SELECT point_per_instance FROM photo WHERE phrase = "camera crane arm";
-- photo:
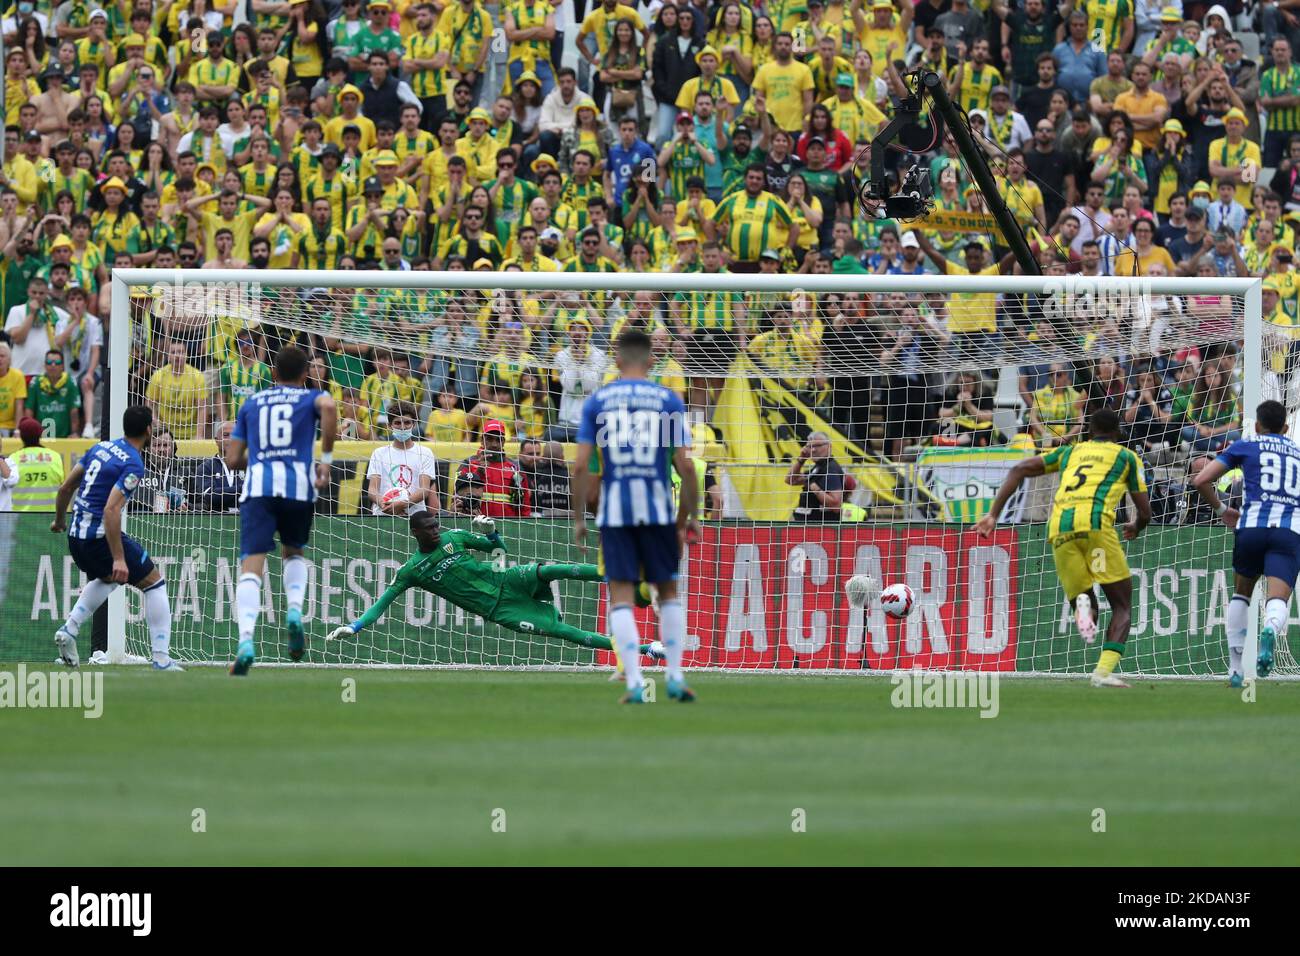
(915, 198)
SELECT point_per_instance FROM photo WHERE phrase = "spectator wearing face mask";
(401, 475)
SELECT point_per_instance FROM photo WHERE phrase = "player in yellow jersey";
(1095, 476)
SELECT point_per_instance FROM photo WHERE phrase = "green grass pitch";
(412, 772)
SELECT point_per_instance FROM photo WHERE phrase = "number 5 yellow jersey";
(1094, 477)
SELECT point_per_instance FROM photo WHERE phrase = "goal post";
(887, 390)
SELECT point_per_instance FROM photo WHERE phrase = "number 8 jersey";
(279, 427)
(1270, 469)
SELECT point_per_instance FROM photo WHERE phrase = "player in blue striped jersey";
(103, 481)
(641, 430)
(274, 436)
(1267, 529)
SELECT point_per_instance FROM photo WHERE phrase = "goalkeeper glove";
(341, 632)
(483, 525)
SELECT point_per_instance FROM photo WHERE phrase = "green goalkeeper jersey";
(451, 571)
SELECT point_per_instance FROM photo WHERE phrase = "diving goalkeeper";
(518, 598)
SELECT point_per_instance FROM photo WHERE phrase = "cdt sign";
(771, 597)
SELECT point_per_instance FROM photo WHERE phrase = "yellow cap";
(483, 264)
(707, 51)
(1173, 126)
(349, 90)
(543, 159)
(1271, 285)
(1234, 114)
(1201, 187)
(385, 157)
(134, 39)
(687, 235)
(587, 103)
(380, 4)
(1170, 15)
(528, 76)
(62, 242)
(113, 183)
(479, 113)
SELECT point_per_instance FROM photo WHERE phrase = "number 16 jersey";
(279, 428)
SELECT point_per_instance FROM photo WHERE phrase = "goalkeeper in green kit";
(518, 598)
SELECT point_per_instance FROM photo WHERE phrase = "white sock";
(1276, 612)
(622, 623)
(158, 613)
(1238, 615)
(672, 631)
(248, 601)
(295, 581)
(92, 596)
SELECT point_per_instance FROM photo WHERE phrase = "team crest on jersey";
(448, 548)
(130, 481)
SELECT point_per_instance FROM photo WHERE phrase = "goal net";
(841, 424)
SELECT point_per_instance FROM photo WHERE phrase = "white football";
(860, 589)
(395, 494)
(897, 600)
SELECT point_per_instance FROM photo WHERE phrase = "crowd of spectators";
(1129, 137)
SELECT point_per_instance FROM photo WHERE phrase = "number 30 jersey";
(635, 425)
(1270, 469)
(1094, 477)
(279, 427)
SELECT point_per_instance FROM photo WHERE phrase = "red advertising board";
(772, 596)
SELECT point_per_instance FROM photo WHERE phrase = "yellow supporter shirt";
(783, 87)
(13, 386)
(177, 398)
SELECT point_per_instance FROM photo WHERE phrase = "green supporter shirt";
(367, 42)
(14, 278)
(451, 572)
(239, 382)
(53, 407)
(734, 166)
(1275, 83)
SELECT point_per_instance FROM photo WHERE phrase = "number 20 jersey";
(1270, 469)
(279, 427)
(635, 425)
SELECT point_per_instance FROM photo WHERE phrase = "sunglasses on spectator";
(54, 361)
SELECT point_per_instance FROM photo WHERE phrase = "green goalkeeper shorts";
(525, 603)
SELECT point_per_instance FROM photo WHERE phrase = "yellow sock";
(618, 658)
(1107, 662)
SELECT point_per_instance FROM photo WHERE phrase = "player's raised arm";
(64, 498)
(1205, 485)
(1027, 468)
(329, 430)
(483, 535)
